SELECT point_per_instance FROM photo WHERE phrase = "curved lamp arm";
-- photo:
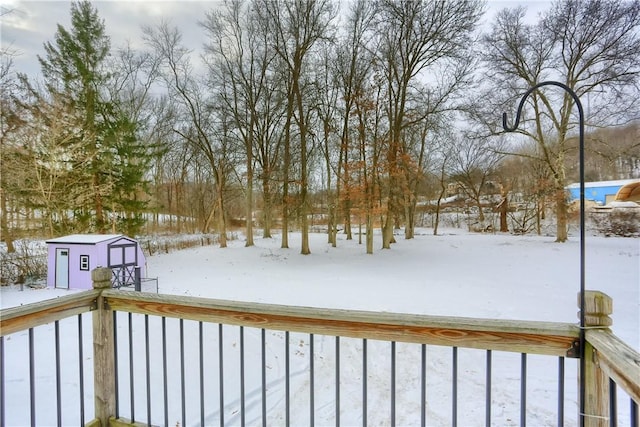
(582, 215)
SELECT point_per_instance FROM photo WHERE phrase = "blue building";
(601, 192)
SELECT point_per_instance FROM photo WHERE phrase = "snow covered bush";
(618, 220)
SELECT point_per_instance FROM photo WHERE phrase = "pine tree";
(76, 69)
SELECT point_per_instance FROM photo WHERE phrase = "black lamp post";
(582, 242)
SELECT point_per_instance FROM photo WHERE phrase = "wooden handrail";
(527, 337)
(617, 359)
(28, 316)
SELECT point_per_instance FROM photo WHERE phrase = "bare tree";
(353, 69)
(295, 27)
(203, 126)
(472, 166)
(239, 62)
(414, 37)
(590, 46)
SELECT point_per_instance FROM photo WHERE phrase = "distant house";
(71, 259)
(602, 192)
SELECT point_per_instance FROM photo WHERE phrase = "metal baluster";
(148, 368)
(560, 391)
(221, 372)
(523, 389)
(115, 362)
(32, 377)
(80, 371)
(131, 381)
(634, 421)
(242, 390)
(364, 382)
(2, 414)
(311, 380)
(201, 355)
(613, 403)
(287, 385)
(393, 383)
(164, 371)
(337, 381)
(454, 385)
(487, 411)
(263, 345)
(182, 376)
(423, 385)
(56, 325)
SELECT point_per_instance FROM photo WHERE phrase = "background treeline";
(296, 113)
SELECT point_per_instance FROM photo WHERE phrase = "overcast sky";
(32, 23)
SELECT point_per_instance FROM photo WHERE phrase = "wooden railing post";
(103, 350)
(598, 307)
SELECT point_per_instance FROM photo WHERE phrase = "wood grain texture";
(27, 316)
(619, 361)
(517, 336)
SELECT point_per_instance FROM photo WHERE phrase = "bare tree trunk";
(222, 223)
(4, 228)
(266, 207)
(561, 216)
(504, 209)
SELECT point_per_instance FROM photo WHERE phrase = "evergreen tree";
(112, 163)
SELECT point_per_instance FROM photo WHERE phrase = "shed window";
(84, 262)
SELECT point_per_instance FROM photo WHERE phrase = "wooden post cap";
(101, 278)
(597, 308)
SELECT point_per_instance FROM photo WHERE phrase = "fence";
(162, 360)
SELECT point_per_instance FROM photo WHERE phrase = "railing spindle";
(32, 378)
(182, 375)
(263, 348)
(613, 403)
(312, 409)
(487, 411)
(423, 385)
(221, 371)
(560, 391)
(287, 380)
(337, 381)
(633, 415)
(56, 326)
(201, 361)
(364, 382)
(242, 379)
(80, 370)
(164, 371)
(393, 383)
(116, 375)
(523, 389)
(148, 368)
(454, 386)
(131, 380)
(2, 377)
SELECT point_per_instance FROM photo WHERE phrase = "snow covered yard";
(454, 274)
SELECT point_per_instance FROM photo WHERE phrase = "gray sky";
(32, 23)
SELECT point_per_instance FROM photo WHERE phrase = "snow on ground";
(454, 274)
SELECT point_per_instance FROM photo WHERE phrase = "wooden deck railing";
(611, 364)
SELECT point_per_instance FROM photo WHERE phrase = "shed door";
(62, 268)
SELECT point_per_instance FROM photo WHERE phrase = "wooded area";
(308, 112)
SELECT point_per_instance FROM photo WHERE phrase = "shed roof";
(87, 239)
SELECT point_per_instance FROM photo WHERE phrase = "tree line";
(365, 107)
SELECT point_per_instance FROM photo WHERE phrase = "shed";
(71, 258)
